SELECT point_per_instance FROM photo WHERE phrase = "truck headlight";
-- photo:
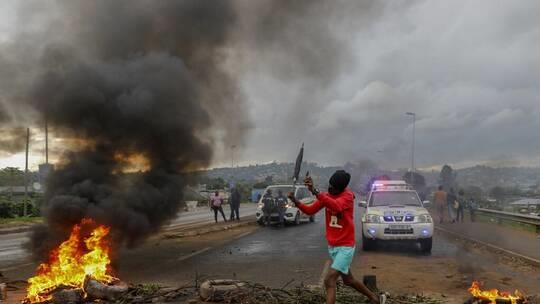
(261, 205)
(373, 218)
(425, 218)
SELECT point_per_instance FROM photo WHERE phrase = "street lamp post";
(413, 143)
(232, 155)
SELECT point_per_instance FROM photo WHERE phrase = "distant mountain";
(482, 176)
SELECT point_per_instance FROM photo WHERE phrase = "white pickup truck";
(394, 212)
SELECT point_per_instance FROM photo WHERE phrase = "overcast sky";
(349, 72)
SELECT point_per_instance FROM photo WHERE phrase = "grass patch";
(20, 221)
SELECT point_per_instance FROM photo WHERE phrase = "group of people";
(216, 205)
(273, 204)
(454, 204)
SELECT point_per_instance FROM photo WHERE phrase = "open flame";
(69, 264)
(493, 295)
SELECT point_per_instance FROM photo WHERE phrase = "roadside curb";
(507, 252)
(199, 230)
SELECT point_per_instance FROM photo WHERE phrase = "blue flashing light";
(425, 232)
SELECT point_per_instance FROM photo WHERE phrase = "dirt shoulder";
(447, 277)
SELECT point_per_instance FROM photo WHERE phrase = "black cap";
(340, 180)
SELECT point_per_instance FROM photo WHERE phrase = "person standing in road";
(472, 209)
(268, 205)
(439, 202)
(235, 204)
(281, 203)
(216, 204)
(461, 206)
(338, 203)
(450, 202)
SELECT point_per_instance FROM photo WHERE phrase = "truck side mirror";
(362, 204)
(426, 204)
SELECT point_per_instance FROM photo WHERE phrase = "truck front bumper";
(413, 231)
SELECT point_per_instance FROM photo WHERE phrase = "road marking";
(506, 251)
(324, 273)
(185, 257)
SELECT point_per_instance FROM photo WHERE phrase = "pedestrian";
(460, 206)
(235, 204)
(450, 202)
(268, 206)
(216, 204)
(439, 202)
(281, 204)
(472, 209)
(338, 203)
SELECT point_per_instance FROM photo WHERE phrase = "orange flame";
(71, 262)
(494, 294)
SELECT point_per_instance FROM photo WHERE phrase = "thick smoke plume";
(146, 85)
(137, 84)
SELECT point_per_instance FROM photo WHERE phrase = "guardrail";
(501, 216)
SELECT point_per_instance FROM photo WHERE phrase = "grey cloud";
(468, 69)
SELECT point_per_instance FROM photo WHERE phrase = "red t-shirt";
(339, 216)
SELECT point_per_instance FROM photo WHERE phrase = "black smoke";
(156, 81)
(125, 80)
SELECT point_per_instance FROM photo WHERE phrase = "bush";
(10, 208)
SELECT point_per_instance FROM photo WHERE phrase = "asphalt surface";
(521, 242)
(12, 245)
(269, 255)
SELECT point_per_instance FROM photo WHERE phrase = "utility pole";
(25, 210)
(413, 143)
(46, 142)
(232, 155)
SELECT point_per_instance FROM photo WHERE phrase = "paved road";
(270, 255)
(521, 242)
(12, 251)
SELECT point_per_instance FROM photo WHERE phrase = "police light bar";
(390, 185)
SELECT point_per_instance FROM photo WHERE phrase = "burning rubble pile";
(494, 296)
(79, 269)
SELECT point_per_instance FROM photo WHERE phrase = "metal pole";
(232, 156)
(46, 142)
(413, 147)
(413, 143)
(25, 209)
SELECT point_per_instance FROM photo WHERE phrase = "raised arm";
(307, 209)
(310, 209)
(336, 205)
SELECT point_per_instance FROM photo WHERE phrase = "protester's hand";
(308, 181)
(290, 195)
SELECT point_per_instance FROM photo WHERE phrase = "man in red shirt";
(339, 208)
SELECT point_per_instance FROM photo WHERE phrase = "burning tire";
(426, 245)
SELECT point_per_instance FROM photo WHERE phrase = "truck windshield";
(394, 198)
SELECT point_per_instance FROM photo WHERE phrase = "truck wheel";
(426, 244)
(312, 219)
(260, 222)
(297, 219)
(368, 244)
